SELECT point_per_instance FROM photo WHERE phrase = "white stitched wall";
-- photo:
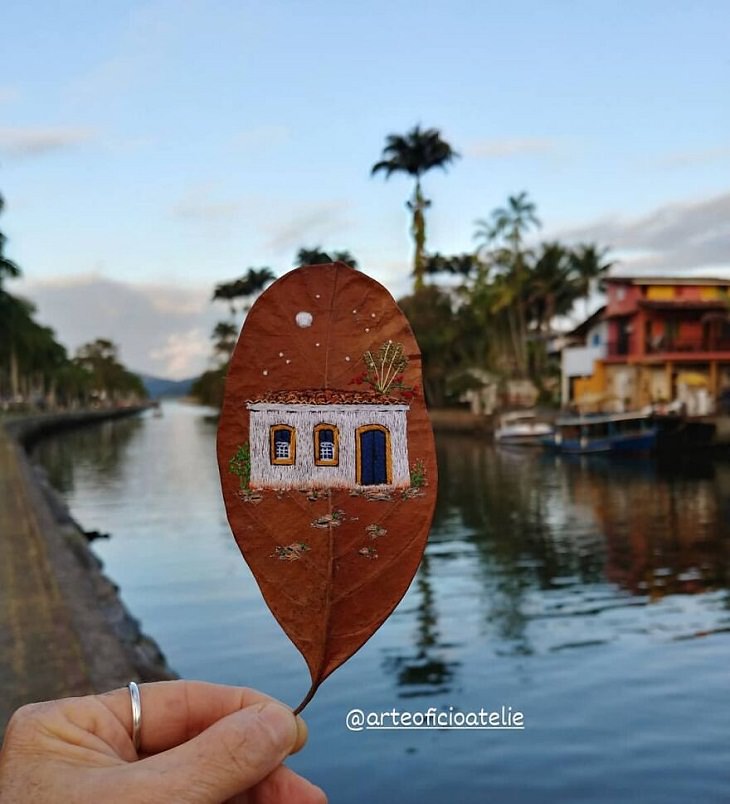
(304, 473)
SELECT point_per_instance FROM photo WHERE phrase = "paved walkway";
(54, 641)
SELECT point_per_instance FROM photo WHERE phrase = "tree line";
(37, 371)
(491, 309)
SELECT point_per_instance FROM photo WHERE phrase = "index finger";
(174, 712)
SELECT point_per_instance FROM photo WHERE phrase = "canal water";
(589, 595)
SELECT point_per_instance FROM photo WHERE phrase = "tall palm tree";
(224, 339)
(246, 287)
(551, 287)
(504, 234)
(462, 265)
(16, 332)
(589, 266)
(8, 269)
(509, 223)
(415, 154)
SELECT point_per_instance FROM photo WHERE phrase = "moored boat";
(521, 429)
(613, 432)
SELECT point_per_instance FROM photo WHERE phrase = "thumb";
(229, 757)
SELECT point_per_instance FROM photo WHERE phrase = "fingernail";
(302, 735)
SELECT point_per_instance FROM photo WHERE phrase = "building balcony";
(679, 349)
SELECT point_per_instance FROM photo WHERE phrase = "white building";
(328, 439)
(591, 338)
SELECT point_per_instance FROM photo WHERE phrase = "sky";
(149, 150)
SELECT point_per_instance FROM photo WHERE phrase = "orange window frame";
(334, 461)
(273, 430)
(388, 453)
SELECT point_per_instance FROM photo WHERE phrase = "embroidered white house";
(327, 439)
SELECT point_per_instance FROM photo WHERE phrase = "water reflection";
(529, 553)
(553, 553)
(426, 670)
(101, 448)
(663, 524)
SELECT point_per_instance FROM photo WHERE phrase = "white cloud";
(499, 148)
(679, 236)
(22, 141)
(182, 353)
(161, 329)
(681, 159)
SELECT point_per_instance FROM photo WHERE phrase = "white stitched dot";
(264, 372)
(288, 361)
(347, 358)
(367, 329)
(281, 354)
(372, 315)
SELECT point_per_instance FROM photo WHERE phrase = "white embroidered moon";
(303, 319)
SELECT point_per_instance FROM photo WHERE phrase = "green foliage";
(418, 475)
(35, 369)
(439, 330)
(315, 256)
(240, 465)
(8, 269)
(245, 287)
(209, 387)
(496, 309)
(109, 379)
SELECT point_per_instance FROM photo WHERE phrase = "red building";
(667, 339)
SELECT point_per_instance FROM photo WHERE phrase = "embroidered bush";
(240, 465)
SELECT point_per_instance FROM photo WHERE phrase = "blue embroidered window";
(326, 445)
(283, 444)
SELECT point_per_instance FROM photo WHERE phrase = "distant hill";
(157, 386)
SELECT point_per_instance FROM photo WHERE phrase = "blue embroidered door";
(373, 458)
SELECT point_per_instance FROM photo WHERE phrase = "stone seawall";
(63, 628)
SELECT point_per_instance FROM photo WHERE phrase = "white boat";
(521, 428)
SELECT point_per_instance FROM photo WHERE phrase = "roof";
(668, 280)
(582, 329)
(328, 396)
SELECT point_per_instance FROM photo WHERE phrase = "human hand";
(199, 742)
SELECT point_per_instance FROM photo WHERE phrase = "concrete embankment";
(63, 628)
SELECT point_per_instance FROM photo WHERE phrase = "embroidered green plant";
(418, 475)
(384, 371)
(240, 464)
(385, 368)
